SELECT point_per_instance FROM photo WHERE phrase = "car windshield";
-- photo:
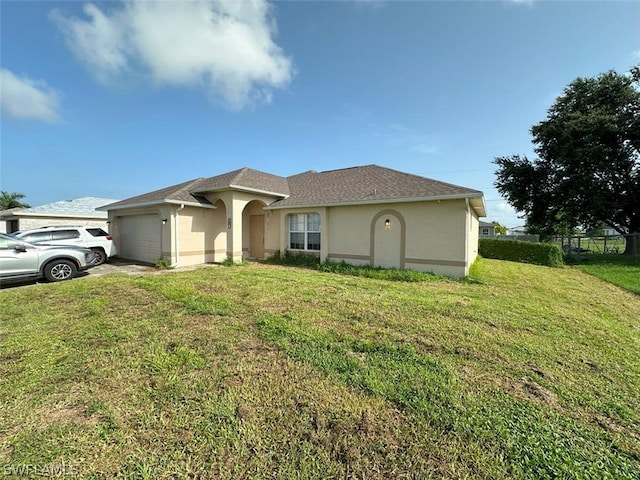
(7, 242)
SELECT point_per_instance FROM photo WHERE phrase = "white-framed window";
(485, 231)
(304, 231)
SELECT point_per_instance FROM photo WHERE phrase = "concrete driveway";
(117, 265)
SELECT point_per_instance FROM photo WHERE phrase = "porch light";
(387, 224)
(164, 221)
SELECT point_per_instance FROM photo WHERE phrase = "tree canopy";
(588, 168)
(11, 200)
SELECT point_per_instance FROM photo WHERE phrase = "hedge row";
(523, 252)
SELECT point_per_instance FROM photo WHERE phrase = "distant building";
(78, 212)
(486, 229)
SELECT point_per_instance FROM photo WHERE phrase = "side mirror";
(20, 248)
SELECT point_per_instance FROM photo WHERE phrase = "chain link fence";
(578, 246)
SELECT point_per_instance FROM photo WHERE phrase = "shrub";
(308, 260)
(228, 262)
(523, 252)
(294, 259)
(163, 263)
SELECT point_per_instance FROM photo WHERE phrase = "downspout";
(467, 233)
(177, 234)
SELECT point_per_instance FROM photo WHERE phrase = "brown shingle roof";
(369, 183)
(366, 184)
(175, 193)
(245, 178)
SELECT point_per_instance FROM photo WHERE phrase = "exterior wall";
(196, 236)
(272, 223)
(433, 236)
(219, 225)
(474, 240)
(29, 222)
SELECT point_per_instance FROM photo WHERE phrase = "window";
(304, 231)
(64, 234)
(9, 244)
(485, 231)
(37, 237)
(97, 232)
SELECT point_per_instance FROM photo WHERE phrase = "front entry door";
(256, 248)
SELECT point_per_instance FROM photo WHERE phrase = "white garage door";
(140, 238)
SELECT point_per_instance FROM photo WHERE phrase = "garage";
(140, 238)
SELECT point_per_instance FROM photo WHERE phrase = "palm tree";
(11, 200)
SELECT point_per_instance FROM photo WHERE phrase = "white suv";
(94, 238)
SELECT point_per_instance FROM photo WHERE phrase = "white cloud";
(25, 99)
(225, 47)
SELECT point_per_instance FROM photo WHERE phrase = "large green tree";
(588, 168)
(11, 200)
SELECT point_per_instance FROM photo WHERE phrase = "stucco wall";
(27, 223)
(196, 236)
(425, 236)
(273, 219)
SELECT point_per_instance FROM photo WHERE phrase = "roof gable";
(245, 179)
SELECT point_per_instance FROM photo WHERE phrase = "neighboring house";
(486, 229)
(521, 230)
(366, 215)
(78, 212)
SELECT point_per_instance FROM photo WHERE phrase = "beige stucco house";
(366, 215)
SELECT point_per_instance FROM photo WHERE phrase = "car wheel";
(59, 270)
(101, 257)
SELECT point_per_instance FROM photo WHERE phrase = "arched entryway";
(253, 224)
(388, 238)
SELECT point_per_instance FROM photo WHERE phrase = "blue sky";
(112, 99)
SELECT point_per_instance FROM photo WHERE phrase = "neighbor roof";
(80, 207)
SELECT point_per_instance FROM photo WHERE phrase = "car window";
(37, 237)
(64, 234)
(97, 232)
(9, 243)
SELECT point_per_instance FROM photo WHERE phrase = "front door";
(256, 248)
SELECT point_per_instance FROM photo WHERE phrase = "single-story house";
(487, 229)
(367, 215)
(78, 212)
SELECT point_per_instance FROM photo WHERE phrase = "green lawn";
(621, 270)
(275, 372)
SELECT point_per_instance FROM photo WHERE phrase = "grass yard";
(274, 372)
(621, 270)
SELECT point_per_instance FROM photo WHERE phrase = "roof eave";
(435, 198)
(242, 189)
(150, 203)
(479, 205)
